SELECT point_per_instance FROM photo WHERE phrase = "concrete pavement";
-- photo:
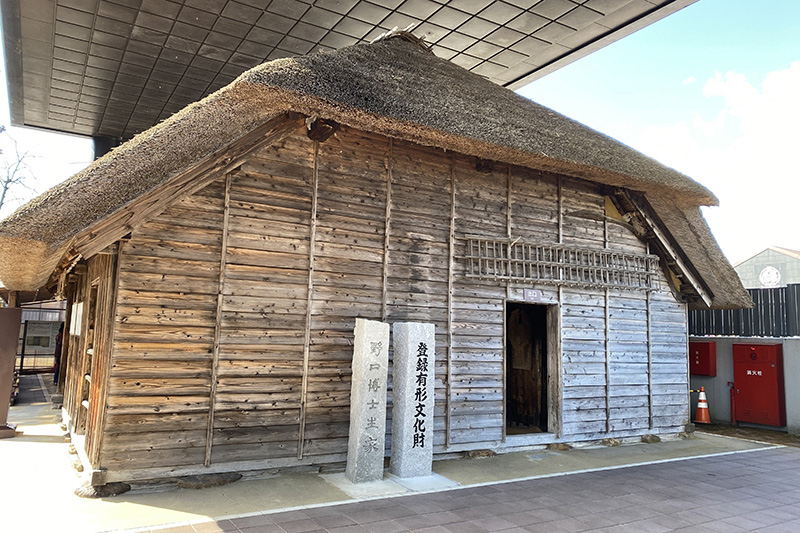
(733, 484)
(758, 491)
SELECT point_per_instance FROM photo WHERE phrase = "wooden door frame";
(554, 381)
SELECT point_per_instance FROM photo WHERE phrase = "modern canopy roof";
(114, 68)
(393, 87)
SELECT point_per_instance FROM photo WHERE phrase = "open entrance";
(526, 372)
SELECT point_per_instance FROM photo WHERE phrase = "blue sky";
(712, 91)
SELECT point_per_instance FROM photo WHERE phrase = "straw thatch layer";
(392, 87)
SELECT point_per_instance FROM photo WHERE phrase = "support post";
(24, 342)
(10, 318)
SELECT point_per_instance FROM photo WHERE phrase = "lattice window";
(557, 264)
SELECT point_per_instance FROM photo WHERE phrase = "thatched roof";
(393, 87)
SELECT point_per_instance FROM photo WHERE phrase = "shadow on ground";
(751, 433)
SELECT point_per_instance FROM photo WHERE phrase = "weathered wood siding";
(477, 377)
(264, 306)
(160, 379)
(91, 298)
(237, 305)
(77, 290)
(101, 279)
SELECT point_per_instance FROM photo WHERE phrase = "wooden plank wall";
(477, 397)
(347, 281)
(264, 306)
(160, 378)
(77, 290)
(417, 282)
(102, 274)
(623, 353)
(306, 237)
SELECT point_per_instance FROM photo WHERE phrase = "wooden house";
(214, 267)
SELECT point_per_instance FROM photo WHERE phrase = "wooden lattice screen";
(556, 264)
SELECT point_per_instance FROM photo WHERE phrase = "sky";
(712, 91)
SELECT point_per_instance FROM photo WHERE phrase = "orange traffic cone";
(701, 417)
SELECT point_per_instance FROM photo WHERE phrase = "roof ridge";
(405, 35)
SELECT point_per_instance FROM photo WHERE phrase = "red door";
(758, 377)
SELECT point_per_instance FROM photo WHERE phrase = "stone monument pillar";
(412, 399)
(368, 402)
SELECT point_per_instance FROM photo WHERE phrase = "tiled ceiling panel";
(116, 67)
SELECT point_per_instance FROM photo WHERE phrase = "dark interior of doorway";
(526, 372)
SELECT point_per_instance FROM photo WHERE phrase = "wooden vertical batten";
(387, 227)
(560, 201)
(649, 362)
(226, 208)
(607, 353)
(312, 233)
(69, 296)
(451, 245)
(505, 310)
(607, 325)
(106, 311)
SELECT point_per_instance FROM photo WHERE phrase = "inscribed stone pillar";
(368, 402)
(412, 399)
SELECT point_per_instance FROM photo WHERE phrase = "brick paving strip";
(751, 491)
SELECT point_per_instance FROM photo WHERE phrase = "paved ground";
(734, 485)
(35, 388)
(757, 491)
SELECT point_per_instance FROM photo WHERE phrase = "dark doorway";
(526, 371)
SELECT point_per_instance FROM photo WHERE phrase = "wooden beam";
(504, 388)
(560, 212)
(508, 202)
(321, 129)
(607, 360)
(223, 257)
(312, 235)
(112, 287)
(505, 304)
(116, 225)
(664, 242)
(103, 350)
(607, 333)
(69, 295)
(450, 267)
(695, 282)
(556, 396)
(649, 358)
(387, 228)
(688, 365)
(84, 355)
